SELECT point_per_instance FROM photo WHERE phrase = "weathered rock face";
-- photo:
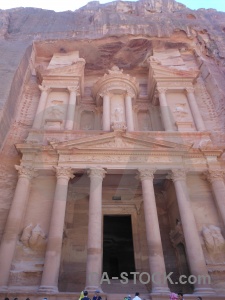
(122, 86)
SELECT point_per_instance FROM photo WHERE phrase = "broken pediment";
(163, 73)
(122, 141)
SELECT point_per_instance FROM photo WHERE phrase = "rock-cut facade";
(112, 132)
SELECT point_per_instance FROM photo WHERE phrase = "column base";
(4, 288)
(160, 296)
(160, 290)
(205, 291)
(92, 289)
(48, 289)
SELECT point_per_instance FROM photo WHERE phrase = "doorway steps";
(116, 288)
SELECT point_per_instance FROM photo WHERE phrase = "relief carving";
(177, 235)
(180, 111)
(214, 244)
(33, 237)
(55, 113)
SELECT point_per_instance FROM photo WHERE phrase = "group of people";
(84, 295)
(180, 296)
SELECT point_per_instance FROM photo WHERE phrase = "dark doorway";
(118, 250)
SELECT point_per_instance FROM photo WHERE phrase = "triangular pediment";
(115, 141)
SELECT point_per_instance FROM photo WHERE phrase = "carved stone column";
(71, 107)
(193, 245)
(13, 224)
(45, 90)
(106, 116)
(165, 110)
(94, 246)
(215, 177)
(49, 282)
(195, 110)
(155, 250)
(129, 112)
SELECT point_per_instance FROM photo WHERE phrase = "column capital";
(129, 94)
(26, 171)
(105, 93)
(214, 175)
(178, 174)
(73, 89)
(64, 172)
(97, 172)
(44, 88)
(190, 89)
(144, 174)
(162, 90)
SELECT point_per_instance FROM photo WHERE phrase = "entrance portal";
(118, 250)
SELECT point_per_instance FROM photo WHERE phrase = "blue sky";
(75, 4)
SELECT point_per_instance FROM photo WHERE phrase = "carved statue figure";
(33, 237)
(26, 235)
(37, 237)
(208, 238)
(118, 114)
(55, 113)
(214, 243)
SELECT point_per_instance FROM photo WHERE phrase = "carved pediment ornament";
(123, 140)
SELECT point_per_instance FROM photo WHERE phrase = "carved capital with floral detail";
(64, 172)
(105, 93)
(44, 88)
(190, 89)
(26, 172)
(214, 175)
(129, 94)
(178, 174)
(73, 89)
(162, 90)
(96, 172)
(144, 174)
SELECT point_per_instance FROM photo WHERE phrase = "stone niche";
(55, 112)
(87, 120)
(144, 122)
(180, 111)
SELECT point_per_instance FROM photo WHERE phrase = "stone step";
(130, 288)
(121, 296)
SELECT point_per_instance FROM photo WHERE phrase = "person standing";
(137, 294)
(85, 296)
(97, 295)
(180, 296)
